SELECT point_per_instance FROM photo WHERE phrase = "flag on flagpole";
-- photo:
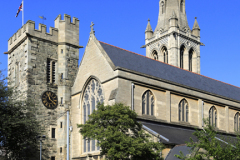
(19, 9)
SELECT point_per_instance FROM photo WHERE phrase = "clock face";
(49, 100)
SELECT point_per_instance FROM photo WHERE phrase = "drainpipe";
(202, 114)
(132, 96)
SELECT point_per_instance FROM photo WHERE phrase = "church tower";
(173, 41)
(43, 66)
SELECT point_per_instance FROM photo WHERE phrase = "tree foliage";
(119, 134)
(212, 145)
(18, 124)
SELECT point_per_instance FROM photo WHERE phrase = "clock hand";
(51, 100)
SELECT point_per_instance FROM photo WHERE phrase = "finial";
(92, 30)
(195, 17)
(148, 20)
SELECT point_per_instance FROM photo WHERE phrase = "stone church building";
(165, 87)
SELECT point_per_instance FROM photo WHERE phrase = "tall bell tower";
(173, 41)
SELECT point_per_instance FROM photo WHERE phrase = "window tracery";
(148, 101)
(155, 55)
(93, 95)
(165, 54)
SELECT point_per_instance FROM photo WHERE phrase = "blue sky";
(122, 23)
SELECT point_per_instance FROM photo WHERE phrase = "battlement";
(65, 19)
(61, 26)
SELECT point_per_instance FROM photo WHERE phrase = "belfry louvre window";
(190, 59)
(51, 71)
(237, 122)
(183, 111)
(165, 54)
(155, 55)
(93, 95)
(181, 56)
(148, 101)
(213, 116)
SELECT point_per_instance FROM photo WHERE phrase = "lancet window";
(190, 60)
(162, 7)
(165, 54)
(93, 95)
(183, 111)
(181, 5)
(237, 122)
(155, 55)
(148, 102)
(182, 49)
(213, 116)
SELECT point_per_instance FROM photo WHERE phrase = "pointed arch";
(213, 116)
(165, 54)
(148, 103)
(237, 122)
(92, 95)
(190, 59)
(182, 50)
(183, 109)
(155, 54)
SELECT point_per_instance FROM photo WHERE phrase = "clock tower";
(43, 67)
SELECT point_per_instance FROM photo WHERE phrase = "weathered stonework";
(28, 52)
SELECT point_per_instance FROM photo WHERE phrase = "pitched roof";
(138, 63)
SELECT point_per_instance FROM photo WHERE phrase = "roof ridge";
(169, 64)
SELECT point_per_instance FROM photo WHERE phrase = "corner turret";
(196, 29)
(148, 31)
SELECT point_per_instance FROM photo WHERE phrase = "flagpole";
(22, 12)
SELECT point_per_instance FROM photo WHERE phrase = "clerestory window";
(148, 101)
(93, 95)
(51, 71)
(213, 116)
(183, 111)
(237, 122)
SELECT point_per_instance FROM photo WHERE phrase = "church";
(165, 87)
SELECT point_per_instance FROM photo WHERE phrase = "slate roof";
(138, 63)
(175, 135)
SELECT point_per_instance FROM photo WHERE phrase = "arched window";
(190, 60)
(162, 7)
(165, 54)
(148, 103)
(155, 55)
(183, 111)
(213, 116)
(93, 95)
(237, 122)
(181, 5)
(182, 49)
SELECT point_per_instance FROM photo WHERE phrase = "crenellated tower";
(173, 41)
(38, 62)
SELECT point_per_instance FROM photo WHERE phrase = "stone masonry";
(28, 52)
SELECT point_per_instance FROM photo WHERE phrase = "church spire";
(166, 8)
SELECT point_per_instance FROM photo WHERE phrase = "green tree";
(119, 134)
(18, 124)
(212, 145)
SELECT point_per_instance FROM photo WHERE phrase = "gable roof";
(138, 63)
